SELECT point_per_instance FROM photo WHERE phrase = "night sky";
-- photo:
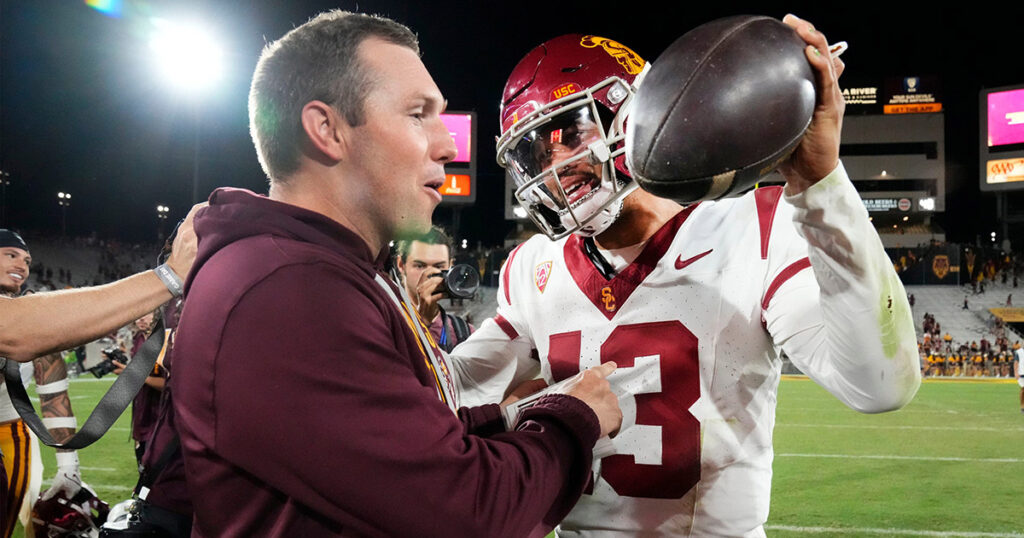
(82, 111)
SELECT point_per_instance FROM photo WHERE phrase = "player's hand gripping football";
(593, 388)
(818, 153)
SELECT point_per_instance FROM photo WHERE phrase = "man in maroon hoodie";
(309, 399)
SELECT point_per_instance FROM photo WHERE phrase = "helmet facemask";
(562, 158)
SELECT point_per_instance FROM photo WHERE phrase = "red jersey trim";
(506, 327)
(505, 268)
(767, 201)
(782, 277)
(608, 295)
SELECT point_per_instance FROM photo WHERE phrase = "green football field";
(950, 464)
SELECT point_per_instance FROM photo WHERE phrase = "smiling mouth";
(16, 276)
(581, 187)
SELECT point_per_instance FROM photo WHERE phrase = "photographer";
(421, 262)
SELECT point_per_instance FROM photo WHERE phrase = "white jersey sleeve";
(847, 323)
(498, 355)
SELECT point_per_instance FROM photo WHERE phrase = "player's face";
(400, 150)
(423, 258)
(14, 264)
(555, 150)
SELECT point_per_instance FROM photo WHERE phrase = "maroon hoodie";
(306, 406)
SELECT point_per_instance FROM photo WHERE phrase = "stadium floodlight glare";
(187, 54)
(64, 201)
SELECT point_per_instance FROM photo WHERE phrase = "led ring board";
(460, 174)
(1002, 138)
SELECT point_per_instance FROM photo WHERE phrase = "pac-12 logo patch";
(541, 275)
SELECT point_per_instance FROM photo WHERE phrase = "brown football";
(721, 108)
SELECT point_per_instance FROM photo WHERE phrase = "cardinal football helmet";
(563, 116)
(76, 517)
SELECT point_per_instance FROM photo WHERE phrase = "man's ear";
(323, 127)
(400, 264)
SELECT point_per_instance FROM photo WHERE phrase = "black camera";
(107, 365)
(460, 282)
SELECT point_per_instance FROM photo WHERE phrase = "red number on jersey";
(676, 349)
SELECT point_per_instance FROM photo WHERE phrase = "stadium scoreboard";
(1001, 148)
(460, 174)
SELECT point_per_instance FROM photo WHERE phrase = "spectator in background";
(1018, 372)
(420, 262)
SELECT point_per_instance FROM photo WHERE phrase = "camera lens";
(461, 281)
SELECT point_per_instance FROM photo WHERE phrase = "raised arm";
(43, 323)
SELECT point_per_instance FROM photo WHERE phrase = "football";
(721, 108)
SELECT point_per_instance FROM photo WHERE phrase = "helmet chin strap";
(601, 221)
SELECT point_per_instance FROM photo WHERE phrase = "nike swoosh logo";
(681, 263)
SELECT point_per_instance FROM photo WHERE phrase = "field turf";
(950, 464)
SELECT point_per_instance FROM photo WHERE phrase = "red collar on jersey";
(609, 295)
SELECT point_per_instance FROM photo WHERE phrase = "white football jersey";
(696, 324)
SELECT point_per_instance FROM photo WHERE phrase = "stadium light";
(187, 54)
(191, 61)
(64, 201)
(161, 217)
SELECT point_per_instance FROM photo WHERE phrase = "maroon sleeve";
(316, 396)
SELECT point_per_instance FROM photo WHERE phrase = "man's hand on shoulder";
(183, 250)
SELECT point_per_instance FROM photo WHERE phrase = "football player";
(695, 304)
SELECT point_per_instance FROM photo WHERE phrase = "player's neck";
(642, 215)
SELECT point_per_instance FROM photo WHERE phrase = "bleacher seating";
(946, 304)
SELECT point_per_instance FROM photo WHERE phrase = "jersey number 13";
(676, 350)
